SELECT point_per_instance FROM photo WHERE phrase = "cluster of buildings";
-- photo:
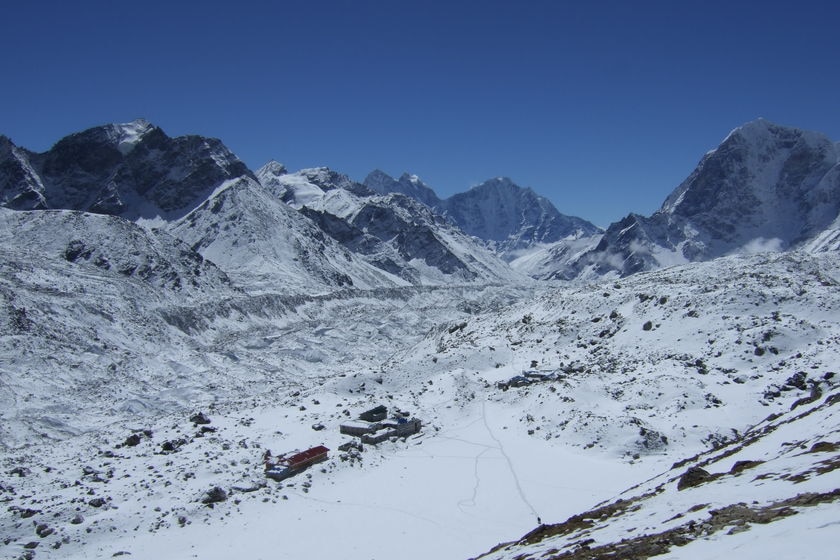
(527, 378)
(374, 426)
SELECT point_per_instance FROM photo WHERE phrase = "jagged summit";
(123, 136)
(273, 167)
(392, 231)
(129, 134)
(328, 179)
(513, 217)
(765, 187)
(133, 170)
(408, 184)
(498, 211)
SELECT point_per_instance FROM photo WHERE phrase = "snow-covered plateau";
(702, 365)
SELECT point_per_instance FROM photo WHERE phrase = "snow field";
(488, 462)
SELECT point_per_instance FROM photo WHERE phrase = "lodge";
(283, 466)
(374, 426)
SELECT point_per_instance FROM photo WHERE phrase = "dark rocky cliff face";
(20, 187)
(765, 187)
(133, 170)
(392, 229)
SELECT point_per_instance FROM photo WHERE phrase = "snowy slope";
(771, 493)
(553, 261)
(825, 241)
(82, 326)
(635, 376)
(264, 245)
(393, 232)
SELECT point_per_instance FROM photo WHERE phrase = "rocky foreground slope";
(771, 492)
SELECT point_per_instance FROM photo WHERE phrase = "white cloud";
(761, 245)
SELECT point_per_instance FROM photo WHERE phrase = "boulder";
(693, 477)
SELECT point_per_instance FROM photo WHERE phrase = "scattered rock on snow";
(824, 446)
(741, 466)
(651, 440)
(199, 418)
(214, 495)
(43, 530)
(132, 441)
(693, 477)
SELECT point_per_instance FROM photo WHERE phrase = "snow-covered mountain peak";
(327, 179)
(379, 181)
(128, 135)
(498, 183)
(756, 165)
(408, 184)
(272, 168)
(765, 187)
(762, 136)
(120, 136)
(507, 217)
(272, 176)
(753, 128)
(512, 217)
(133, 170)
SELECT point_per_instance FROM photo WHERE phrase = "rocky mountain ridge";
(195, 189)
(132, 170)
(507, 217)
(393, 232)
(766, 187)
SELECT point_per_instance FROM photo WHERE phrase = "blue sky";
(602, 106)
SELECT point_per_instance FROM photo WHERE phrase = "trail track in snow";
(512, 469)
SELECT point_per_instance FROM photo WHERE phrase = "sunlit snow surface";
(694, 354)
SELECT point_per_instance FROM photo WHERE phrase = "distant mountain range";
(766, 187)
(508, 217)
